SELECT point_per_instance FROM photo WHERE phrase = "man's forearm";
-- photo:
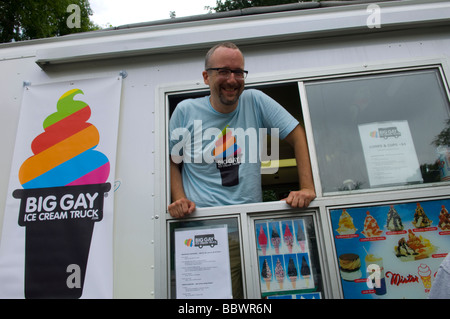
(304, 166)
(176, 183)
(297, 139)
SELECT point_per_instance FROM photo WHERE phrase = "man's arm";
(181, 206)
(306, 194)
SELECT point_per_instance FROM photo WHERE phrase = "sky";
(120, 12)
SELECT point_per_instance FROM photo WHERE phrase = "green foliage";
(34, 19)
(228, 5)
(443, 138)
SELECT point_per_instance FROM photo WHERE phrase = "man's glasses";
(226, 73)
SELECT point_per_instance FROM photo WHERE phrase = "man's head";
(225, 86)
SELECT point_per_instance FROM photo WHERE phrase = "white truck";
(334, 65)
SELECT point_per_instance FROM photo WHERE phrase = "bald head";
(228, 45)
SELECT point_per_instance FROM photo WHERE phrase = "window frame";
(248, 212)
(440, 67)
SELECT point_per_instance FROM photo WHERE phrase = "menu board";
(391, 251)
(284, 259)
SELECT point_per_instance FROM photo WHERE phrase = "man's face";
(225, 92)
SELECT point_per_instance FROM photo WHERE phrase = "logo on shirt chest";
(224, 147)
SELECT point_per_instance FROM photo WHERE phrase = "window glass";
(380, 130)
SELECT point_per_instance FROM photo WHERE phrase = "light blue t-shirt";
(210, 177)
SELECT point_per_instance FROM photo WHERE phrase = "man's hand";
(301, 198)
(181, 207)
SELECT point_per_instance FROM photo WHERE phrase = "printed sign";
(59, 206)
(202, 263)
(389, 153)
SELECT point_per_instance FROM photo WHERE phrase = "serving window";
(189, 264)
(380, 130)
(276, 183)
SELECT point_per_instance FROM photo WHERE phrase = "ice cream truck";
(85, 162)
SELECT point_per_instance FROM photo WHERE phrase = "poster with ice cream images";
(391, 251)
(283, 257)
(58, 223)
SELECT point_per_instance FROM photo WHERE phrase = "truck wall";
(140, 174)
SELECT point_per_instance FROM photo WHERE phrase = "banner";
(57, 234)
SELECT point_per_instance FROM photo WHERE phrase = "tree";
(229, 5)
(443, 138)
(34, 19)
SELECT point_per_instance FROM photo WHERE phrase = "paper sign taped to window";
(389, 153)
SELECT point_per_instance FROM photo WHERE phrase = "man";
(235, 179)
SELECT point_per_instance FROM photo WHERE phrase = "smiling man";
(234, 177)
(220, 63)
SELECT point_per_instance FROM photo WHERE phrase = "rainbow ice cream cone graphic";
(425, 274)
(227, 155)
(62, 197)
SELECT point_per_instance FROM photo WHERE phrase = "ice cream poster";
(283, 256)
(57, 228)
(391, 251)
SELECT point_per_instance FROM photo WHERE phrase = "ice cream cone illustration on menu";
(425, 274)
(227, 155)
(305, 271)
(275, 239)
(292, 272)
(288, 238)
(262, 240)
(279, 273)
(266, 274)
(62, 197)
(301, 238)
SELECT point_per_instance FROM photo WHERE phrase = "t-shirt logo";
(227, 155)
